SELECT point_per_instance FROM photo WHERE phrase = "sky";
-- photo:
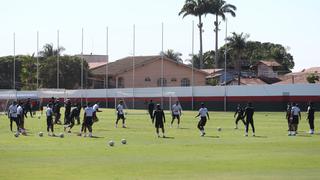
(293, 23)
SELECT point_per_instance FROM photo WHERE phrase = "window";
(120, 82)
(185, 82)
(162, 81)
(147, 79)
(173, 79)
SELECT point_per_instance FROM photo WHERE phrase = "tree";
(6, 72)
(49, 51)
(176, 56)
(70, 72)
(219, 8)
(312, 78)
(195, 8)
(237, 42)
(28, 72)
(208, 60)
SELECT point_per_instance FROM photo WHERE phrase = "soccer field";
(225, 154)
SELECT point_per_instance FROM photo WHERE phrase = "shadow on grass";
(260, 136)
(183, 128)
(211, 136)
(168, 137)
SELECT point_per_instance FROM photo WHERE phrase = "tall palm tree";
(176, 56)
(219, 8)
(195, 8)
(238, 42)
(49, 51)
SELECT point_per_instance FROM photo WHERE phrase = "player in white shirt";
(176, 113)
(96, 109)
(20, 118)
(49, 114)
(203, 113)
(12, 114)
(120, 115)
(88, 119)
(296, 115)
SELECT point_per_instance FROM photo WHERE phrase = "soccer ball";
(40, 134)
(61, 135)
(39, 117)
(111, 143)
(16, 134)
(219, 128)
(123, 141)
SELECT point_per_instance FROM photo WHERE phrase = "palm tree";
(219, 8)
(237, 42)
(48, 51)
(195, 8)
(176, 56)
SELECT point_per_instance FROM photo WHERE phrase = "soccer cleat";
(253, 134)
(124, 126)
(164, 136)
(116, 126)
(246, 134)
(90, 134)
(69, 131)
(85, 135)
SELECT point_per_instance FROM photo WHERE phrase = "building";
(267, 68)
(94, 60)
(147, 72)
(299, 77)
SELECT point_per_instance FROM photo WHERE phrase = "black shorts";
(88, 121)
(49, 121)
(158, 124)
(120, 116)
(295, 120)
(175, 116)
(203, 121)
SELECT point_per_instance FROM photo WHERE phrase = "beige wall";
(153, 70)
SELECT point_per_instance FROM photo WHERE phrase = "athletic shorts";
(158, 124)
(88, 121)
(120, 116)
(295, 120)
(175, 116)
(203, 121)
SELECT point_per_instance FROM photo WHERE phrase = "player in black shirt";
(151, 108)
(289, 117)
(75, 113)
(248, 114)
(310, 117)
(67, 112)
(160, 120)
(56, 111)
(239, 113)
(27, 108)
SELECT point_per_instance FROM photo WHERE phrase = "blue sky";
(292, 23)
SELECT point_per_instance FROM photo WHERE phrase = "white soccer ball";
(16, 134)
(40, 134)
(111, 143)
(219, 129)
(123, 141)
(61, 135)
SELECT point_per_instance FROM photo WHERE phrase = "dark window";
(162, 82)
(185, 82)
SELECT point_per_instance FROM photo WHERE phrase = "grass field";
(183, 155)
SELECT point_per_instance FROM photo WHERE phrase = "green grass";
(185, 155)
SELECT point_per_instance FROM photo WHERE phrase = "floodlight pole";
(107, 59)
(192, 100)
(133, 63)
(81, 66)
(225, 69)
(14, 60)
(58, 55)
(162, 76)
(37, 59)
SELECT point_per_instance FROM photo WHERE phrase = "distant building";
(147, 73)
(94, 60)
(299, 77)
(267, 68)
